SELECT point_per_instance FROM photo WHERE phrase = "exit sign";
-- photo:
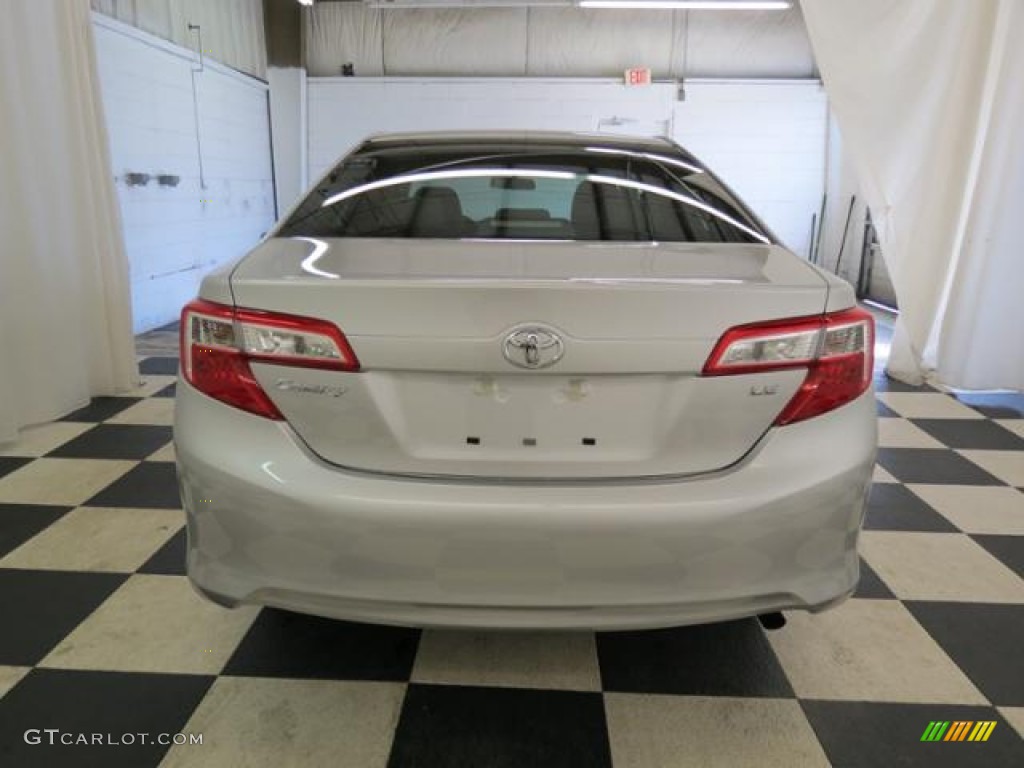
(638, 76)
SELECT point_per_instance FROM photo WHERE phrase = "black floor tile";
(984, 640)
(884, 411)
(102, 408)
(38, 608)
(995, 405)
(933, 465)
(858, 734)
(871, 585)
(123, 705)
(152, 484)
(10, 463)
(1007, 549)
(893, 507)
(980, 434)
(115, 441)
(728, 659)
(169, 391)
(285, 644)
(20, 522)
(169, 560)
(444, 726)
(159, 366)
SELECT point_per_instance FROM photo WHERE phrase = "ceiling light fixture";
(695, 5)
(689, 5)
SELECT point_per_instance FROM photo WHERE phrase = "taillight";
(218, 342)
(837, 350)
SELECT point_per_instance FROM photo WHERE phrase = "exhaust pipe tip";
(772, 621)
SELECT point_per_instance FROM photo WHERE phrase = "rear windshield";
(578, 194)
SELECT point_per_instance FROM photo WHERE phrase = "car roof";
(525, 138)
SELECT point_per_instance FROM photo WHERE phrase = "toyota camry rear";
(524, 380)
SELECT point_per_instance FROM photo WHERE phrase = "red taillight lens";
(836, 349)
(218, 341)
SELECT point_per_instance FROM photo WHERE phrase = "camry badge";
(287, 385)
(533, 346)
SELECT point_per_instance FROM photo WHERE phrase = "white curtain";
(929, 97)
(65, 318)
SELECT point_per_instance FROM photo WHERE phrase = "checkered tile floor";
(101, 633)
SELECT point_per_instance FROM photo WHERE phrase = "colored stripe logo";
(958, 730)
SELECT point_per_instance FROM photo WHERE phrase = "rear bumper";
(269, 523)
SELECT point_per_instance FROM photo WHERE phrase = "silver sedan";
(524, 380)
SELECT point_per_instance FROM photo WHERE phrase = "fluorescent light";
(690, 5)
(430, 4)
(305, 2)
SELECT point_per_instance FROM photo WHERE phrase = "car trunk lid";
(443, 391)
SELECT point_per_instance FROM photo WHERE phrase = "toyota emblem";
(533, 347)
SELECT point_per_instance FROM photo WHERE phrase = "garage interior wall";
(190, 151)
(231, 30)
(767, 140)
(345, 110)
(65, 325)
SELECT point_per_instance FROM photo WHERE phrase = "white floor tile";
(154, 624)
(1014, 425)
(518, 659)
(868, 650)
(155, 410)
(939, 566)
(164, 454)
(256, 722)
(1008, 466)
(41, 439)
(98, 539)
(683, 731)
(1015, 717)
(927, 405)
(976, 508)
(900, 433)
(10, 676)
(66, 482)
(881, 475)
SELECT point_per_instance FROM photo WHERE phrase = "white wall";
(345, 110)
(767, 140)
(175, 234)
(288, 131)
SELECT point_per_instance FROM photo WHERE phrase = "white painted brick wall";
(343, 111)
(174, 235)
(767, 140)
